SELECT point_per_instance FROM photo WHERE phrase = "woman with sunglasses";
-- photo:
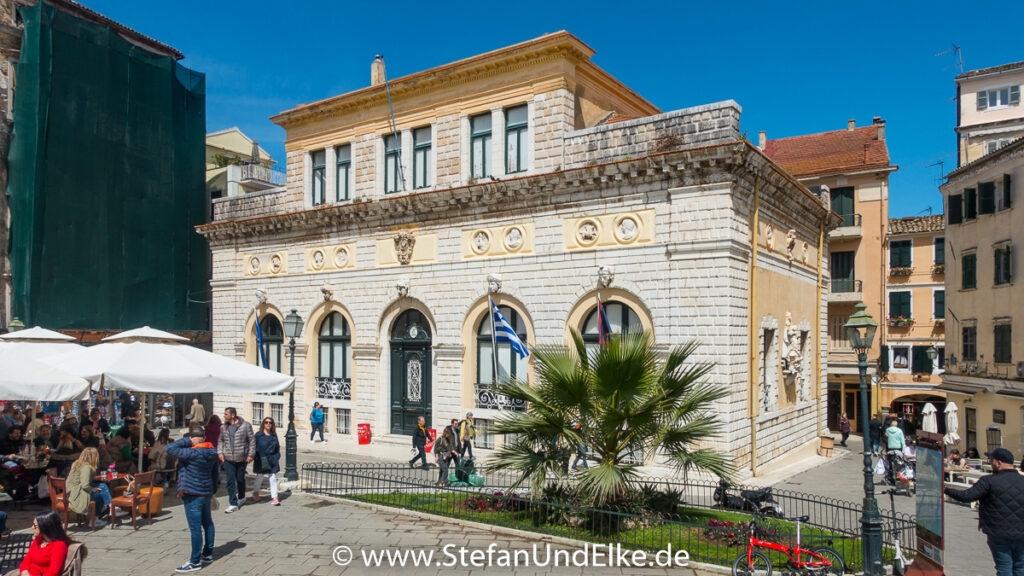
(49, 549)
(267, 461)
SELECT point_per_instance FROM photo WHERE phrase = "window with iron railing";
(334, 381)
(343, 420)
(277, 412)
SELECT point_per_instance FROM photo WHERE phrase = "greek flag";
(261, 356)
(503, 332)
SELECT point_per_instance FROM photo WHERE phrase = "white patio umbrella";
(147, 360)
(952, 438)
(928, 424)
(36, 334)
(23, 378)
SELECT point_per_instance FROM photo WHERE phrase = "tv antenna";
(942, 171)
(959, 57)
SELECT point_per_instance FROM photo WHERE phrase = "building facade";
(531, 176)
(989, 112)
(913, 353)
(853, 165)
(236, 164)
(984, 299)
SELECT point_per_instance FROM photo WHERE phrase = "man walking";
(844, 429)
(999, 516)
(419, 443)
(316, 421)
(874, 433)
(197, 481)
(237, 447)
(197, 415)
(467, 432)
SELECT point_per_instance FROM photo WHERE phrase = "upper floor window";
(392, 170)
(900, 305)
(970, 203)
(993, 145)
(1006, 197)
(1003, 262)
(940, 251)
(319, 177)
(621, 319)
(273, 338)
(900, 253)
(939, 304)
(480, 145)
(998, 97)
(955, 209)
(422, 174)
(969, 274)
(516, 124)
(344, 169)
(842, 204)
(1003, 352)
(986, 197)
(335, 347)
(969, 343)
(510, 365)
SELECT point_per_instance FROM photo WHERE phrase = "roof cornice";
(559, 45)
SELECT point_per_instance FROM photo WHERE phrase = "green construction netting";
(106, 181)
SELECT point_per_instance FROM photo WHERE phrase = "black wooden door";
(410, 372)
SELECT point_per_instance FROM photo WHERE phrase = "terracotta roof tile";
(917, 224)
(616, 117)
(830, 152)
(991, 70)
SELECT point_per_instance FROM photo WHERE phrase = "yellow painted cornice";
(557, 46)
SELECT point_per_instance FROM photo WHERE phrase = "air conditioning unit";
(1020, 369)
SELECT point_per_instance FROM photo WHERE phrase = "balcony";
(334, 388)
(850, 228)
(487, 396)
(246, 178)
(846, 291)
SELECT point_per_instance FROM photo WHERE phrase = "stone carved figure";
(791, 344)
(587, 232)
(627, 229)
(807, 253)
(481, 242)
(402, 287)
(605, 275)
(767, 362)
(769, 236)
(327, 291)
(804, 372)
(790, 243)
(493, 283)
(261, 296)
(514, 239)
(405, 241)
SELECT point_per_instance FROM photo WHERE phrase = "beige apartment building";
(989, 113)
(913, 352)
(984, 299)
(531, 176)
(853, 164)
(236, 164)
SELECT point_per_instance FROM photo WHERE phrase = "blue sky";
(796, 68)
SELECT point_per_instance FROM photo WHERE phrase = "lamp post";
(860, 329)
(14, 325)
(292, 329)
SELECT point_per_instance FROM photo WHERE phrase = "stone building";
(984, 300)
(989, 112)
(853, 164)
(529, 175)
(915, 317)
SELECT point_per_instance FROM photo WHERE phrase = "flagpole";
(494, 343)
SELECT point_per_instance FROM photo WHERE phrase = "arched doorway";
(908, 410)
(410, 372)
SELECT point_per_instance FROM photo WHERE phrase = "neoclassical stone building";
(531, 175)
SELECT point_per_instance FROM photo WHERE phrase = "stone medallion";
(254, 265)
(318, 259)
(626, 229)
(587, 232)
(340, 257)
(275, 263)
(513, 239)
(481, 241)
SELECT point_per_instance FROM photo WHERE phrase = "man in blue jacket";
(197, 482)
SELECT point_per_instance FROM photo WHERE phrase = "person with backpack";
(316, 422)
(198, 478)
(467, 433)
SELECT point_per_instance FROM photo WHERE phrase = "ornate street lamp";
(292, 329)
(14, 325)
(860, 330)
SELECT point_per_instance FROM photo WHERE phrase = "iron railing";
(334, 388)
(487, 396)
(850, 220)
(847, 285)
(697, 524)
(263, 174)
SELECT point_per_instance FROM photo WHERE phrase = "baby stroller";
(899, 472)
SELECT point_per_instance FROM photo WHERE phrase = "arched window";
(273, 338)
(510, 365)
(621, 319)
(335, 346)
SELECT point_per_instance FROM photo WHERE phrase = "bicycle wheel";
(838, 566)
(758, 564)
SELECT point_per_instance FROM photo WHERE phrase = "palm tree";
(618, 400)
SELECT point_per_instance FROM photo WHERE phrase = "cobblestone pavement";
(843, 478)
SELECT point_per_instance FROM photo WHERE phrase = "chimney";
(377, 71)
(851, 124)
(880, 125)
(762, 139)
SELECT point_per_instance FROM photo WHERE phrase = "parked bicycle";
(819, 560)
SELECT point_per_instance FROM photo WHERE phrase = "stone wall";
(273, 201)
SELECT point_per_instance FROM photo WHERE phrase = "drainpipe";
(817, 323)
(752, 400)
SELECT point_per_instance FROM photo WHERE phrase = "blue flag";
(503, 332)
(604, 329)
(260, 354)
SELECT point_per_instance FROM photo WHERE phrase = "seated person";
(82, 488)
(49, 549)
(68, 449)
(44, 439)
(956, 461)
(120, 451)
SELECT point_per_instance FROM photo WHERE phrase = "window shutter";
(939, 308)
(1009, 263)
(955, 209)
(982, 100)
(1007, 191)
(986, 198)
(1014, 95)
(970, 203)
(920, 363)
(883, 360)
(940, 251)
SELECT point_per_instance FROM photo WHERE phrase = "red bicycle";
(818, 560)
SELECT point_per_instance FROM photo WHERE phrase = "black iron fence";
(664, 511)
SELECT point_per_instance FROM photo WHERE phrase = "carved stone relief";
(605, 275)
(493, 283)
(405, 241)
(481, 242)
(513, 239)
(402, 287)
(790, 243)
(768, 352)
(587, 232)
(627, 229)
(769, 236)
(327, 291)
